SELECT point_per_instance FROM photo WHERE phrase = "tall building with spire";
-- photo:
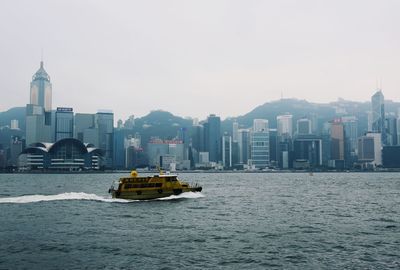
(39, 116)
(41, 92)
(378, 114)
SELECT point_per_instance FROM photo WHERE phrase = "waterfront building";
(204, 158)
(307, 152)
(64, 124)
(260, 144)
(273, 146)
(168, 162)
(366, 148)
(378, 115)
(212, 137)
(227, 151)
(104, 123)
(244, 145)
(390, 156)
(337, 140)
(39, 124)
(157, 148)
(197, 137)
(64, 155)
(135, 158)
(398, 130)
(377, 147)
(351, 135)
(16, 148)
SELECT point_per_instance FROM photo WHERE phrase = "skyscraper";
(285, 125)
(235, 131)
(398, 130)
(39, 117)
(337, 140)
(244, 145)
(377, 148)
(104, 123)
(227, 151)
(260, 144)
(41, 89)
(64, 123)
(378, 114)
(212, 137)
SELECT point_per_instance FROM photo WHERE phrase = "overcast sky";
(194, 58)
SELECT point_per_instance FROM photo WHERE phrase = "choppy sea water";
(239, 221)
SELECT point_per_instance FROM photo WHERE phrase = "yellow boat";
(161, 185)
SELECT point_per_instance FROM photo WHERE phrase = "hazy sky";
(194, 58)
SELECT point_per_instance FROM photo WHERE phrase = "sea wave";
(86, 197)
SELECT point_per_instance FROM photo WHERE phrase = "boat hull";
(151, 194)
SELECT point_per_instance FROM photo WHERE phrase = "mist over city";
(200, 134)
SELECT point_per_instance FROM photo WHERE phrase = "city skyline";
(187, 58)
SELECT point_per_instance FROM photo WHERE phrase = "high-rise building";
(377, 147)
(369, 119)
(104, 123)
(366, 152)
(304, 126)
(398, 130)
(285, 125)
(212, 137)
(260, 144)
(273, 146)
(308, 149)
(64, 123)
(84, 127)
(391, 130)
(378, 114)
(244, 145)
(197, 137)
(390, 156)
(39, 126)
(227, 151)
(337, 140)
(235, 131)
(41, 89)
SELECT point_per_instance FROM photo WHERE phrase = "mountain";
(160, 123)
(270, 110)
(17, 113)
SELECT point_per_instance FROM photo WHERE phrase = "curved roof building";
(67, 154)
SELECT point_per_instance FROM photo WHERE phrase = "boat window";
(128, 186)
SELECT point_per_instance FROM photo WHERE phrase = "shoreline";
(205, 171)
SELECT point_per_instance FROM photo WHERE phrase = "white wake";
(86, 197)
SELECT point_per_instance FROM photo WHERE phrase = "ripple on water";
(345, 221)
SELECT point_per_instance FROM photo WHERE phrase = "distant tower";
(41, 89)
(378, 114)
(260, 144)
(285, 125)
